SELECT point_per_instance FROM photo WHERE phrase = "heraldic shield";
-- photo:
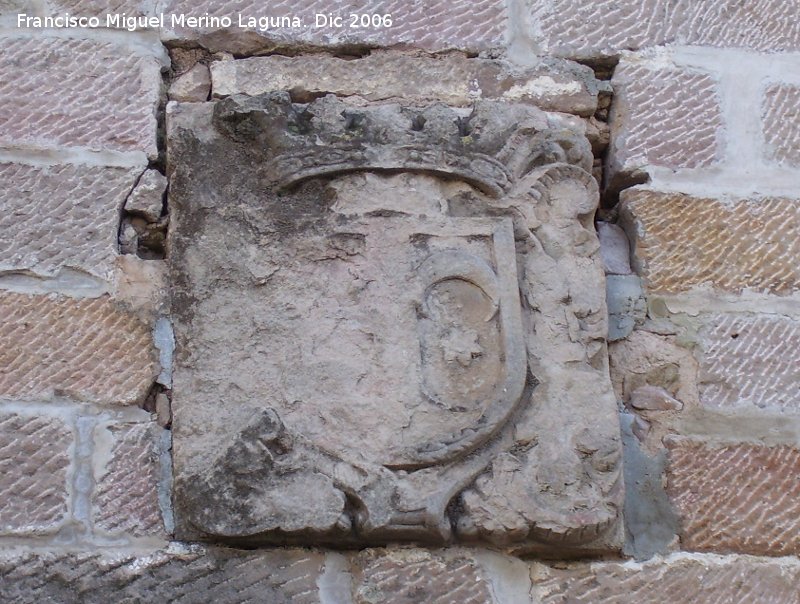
(390, 327)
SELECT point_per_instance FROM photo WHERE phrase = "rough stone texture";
(389, 346)
(183, 59)
(128, 238)
(412, 576)
(736, 498)
(163, 411)
(194, 575)
(654, 398)
(191, 576)
(663, 116)
(676, 580)
(750, 360)
(454, 79)
(651, 525)
(141, 286)
(626, 305)
(192, 86)
(428, 24)
(131, 8)
(86, 350)
(10, 8)
(61, 217)
(35, 454)
(614, 249)
(146, 199)
(682, 242)
(646, 359)
(585, 28)
(107, 95)
(165, 342)
(126, 491)
(781, 123)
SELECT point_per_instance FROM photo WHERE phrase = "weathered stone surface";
(183, 59)
(682, 242)
(736, 498)
(178, 574)
(626, 305)
(163, 410)
(455, 80)
(663, 116)
(654, 398)
(429, 24)
(128, 237)
(781, 123)
(107, 95)
(61, 217)
(646, 359)
(126, 491)
(750, 360)
(614, 249)
(86, 350)
(101, 8)
(137, 235)
(674, 580)
(10, 8)
(586, 28)
(599, 135)
(389, 365)
(35, 455)
(192, 86)
(147, 198)
(412, 575)
(141, 286)
(651, 525)
(165, 342)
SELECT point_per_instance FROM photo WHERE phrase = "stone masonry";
(747, 502)
(781, 119)
(34, 480)
(87, 350)
(62, 218)
(671, 118)
(178, 203)
(683, 242)
(106, 98)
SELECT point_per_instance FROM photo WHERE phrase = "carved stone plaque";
(391, 326)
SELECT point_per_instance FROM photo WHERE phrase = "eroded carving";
(391, 326)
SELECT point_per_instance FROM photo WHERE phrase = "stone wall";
(697, 154)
